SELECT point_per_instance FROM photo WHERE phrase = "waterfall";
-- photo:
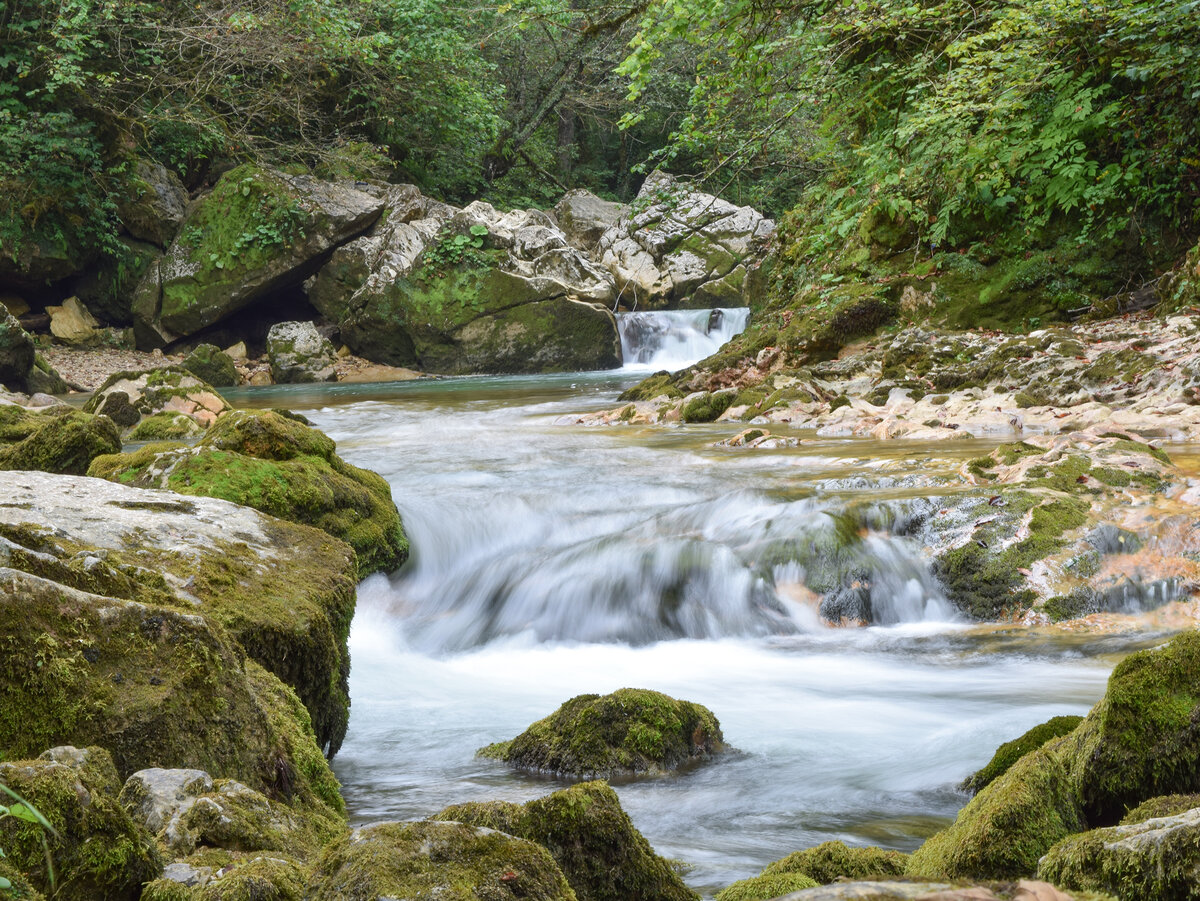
(674, 339)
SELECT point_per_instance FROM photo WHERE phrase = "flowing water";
(552, 559)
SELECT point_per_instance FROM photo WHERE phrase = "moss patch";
(64, 443)
(1012, 751)
(830, 861)
(763, 888)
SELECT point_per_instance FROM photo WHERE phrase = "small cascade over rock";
(673, 339)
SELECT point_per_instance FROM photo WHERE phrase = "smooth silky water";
(551, 559)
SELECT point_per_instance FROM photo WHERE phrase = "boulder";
(1012, 751)
(591, 838)
(258, 231)
(212, 365)
(157, 209)
(473, 290)
(1154, 860)
(1022, 890)
(157, 798)
(584, 218)
(16, 353)
(678, 247)
(629, 732)
(831, 861)
(59, 440)
(72, 324)
(299, 354)
(448, 861)
(262, 877)
(96, 849)
(171, 688)
(273, 463)
(128, 397)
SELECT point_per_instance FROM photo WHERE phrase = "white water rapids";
(551, 560)
(673, 339)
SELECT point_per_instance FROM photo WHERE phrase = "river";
(552, 560)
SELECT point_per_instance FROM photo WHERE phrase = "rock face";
(299, 354)
(449, 861)
(683, 248)
(257, 231)
(591, 838)
(100, 569)
(282, 467)
(472, 290)
(584, 218)
(629, 732)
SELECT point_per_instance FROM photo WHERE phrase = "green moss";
(1012, 751)
(1008, 454)
(212, 365)
(259, 878)
(651, 387)
(1005, 828)
(838, 402)
(761, 888)
(433, 860)
(629, 731)
(164, 427)
(706, 407)
(61, 443)
(1164, 806)
(592, 839)
(830, 861)
(96, 849)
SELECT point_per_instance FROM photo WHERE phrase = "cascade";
(674, 339)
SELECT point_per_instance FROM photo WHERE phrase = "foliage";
(20, 809)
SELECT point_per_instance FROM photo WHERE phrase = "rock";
(593, 841)
(128, 397)
(584, 218)
(258, 379)
(629, 732)
(1163, 806)
(14, 304)
(165, 427)
(265, 877)
(281, 593)
(72, 324)
(680, 247)
(473, 290)
(831, 861)
(885, 891)
(299, 354)
(96, 849)
(60, 440)
(237, 352)
(16, 353)
(1154, 860)
(1012, 751)
(766, 887)
(209, 364)
(157, 798)
(157, 211)
(449, 861)
(377, 372)
(273, 463)
(259, 230)
(42, 257)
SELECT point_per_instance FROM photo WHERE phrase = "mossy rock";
(657, 385)
(1163, 806)
(284, 468)
(592, 839)
(765, 887)
(261, 877)
(830, 861)
(629, 732)
(1012, 751)
(1143, 739)
(436, 860)
(15, 886)
(1154, 860)
(1008, 826)
(60, 441)
(706, 406)
(96, 850)
(127, 397)
(153, 685)
(212, 365)
(165, 427)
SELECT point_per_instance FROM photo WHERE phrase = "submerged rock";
(592, 839)
(629, 732)
(449, 861)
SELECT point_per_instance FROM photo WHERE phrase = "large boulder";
(22, 368)
(678, 247)
(448, 861)
(473, 290)
(300, 354)
(58, 440)
(129, 397)
(95, 849)
(172, 689)
(281, 466)
(631, 732)
(584, 218)
(592, 839)
(258, 231)
(1012, 751)
(72, 323)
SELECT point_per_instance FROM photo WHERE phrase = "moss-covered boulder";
(165, 427)
(1012, 751)
(592, 839)
(16, 352)
(448, 861)
(95, 849)
(765, 887)
(1154, 860)
(283, 592)
(632, 732)
(1008, 826)
(281, 466)
(830, 861)
(258, 231)
(60, 440)
(212, 365)
(1163, 806)
(128, 397)
(209, 877)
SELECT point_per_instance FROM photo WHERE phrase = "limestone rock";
(212, 365)
(128, 397)
(299, 353)
(256, 232)
(584, 218)
(158, 209)
(157, 798)
(72, 324)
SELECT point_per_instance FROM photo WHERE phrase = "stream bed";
(552, 560)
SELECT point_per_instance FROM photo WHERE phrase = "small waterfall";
(674, 339)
